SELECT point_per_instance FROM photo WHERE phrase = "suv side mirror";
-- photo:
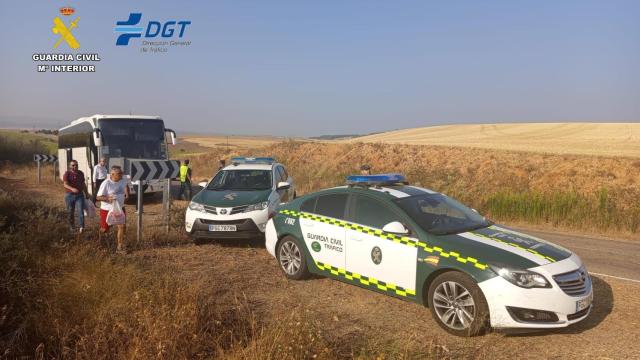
(202, 184)
(283, 185)
(395, 227)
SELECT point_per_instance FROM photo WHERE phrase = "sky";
(305, 68)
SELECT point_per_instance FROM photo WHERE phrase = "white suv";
(239, 200)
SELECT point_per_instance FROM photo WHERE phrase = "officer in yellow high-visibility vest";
(185, 180)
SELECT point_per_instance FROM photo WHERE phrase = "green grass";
(563, 208)
(19, 147)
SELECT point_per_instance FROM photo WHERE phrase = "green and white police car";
(239, 199)
(416, 244)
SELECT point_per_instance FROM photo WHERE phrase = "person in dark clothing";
(75, 192)
(221, 165)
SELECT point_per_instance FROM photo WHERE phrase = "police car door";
(374, 256)
(280, 176)
(321, 229)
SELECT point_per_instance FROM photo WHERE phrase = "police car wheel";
(291, 259)
(458, 305)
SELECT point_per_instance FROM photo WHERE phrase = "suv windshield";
(241, 180)
(440, 215)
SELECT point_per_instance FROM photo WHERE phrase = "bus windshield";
(133, 138)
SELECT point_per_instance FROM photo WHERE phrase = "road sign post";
(145, 170)
(139, 203)
(166, 204)
(38, 158)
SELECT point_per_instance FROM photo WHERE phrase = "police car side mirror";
(283, 185)
(395, 227)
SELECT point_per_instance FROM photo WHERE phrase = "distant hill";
(612, 139)
(334, 137)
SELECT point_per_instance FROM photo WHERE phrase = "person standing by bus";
(221, 165)
(75, 191)
(99, 175)
(185, 180)
(113, 189)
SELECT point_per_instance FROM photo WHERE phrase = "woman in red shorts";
(111, 190)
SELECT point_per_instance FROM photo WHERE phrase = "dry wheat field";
(609, 139)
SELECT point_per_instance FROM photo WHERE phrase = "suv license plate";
(222, 228)
(584, 303)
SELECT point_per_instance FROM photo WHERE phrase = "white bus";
(115, 137)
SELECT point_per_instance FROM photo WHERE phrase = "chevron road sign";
(44, 158)
(153, 169)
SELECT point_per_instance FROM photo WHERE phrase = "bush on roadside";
(20, 148)
(64, 297)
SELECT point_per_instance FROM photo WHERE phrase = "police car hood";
(502, 246)
(230, 198)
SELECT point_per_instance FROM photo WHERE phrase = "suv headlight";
(196, 206)
(522, 278)
(259, 206)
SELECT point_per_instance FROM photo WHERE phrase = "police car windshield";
(241, 180)
(440, 215)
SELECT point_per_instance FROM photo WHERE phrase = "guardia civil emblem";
(376, 255)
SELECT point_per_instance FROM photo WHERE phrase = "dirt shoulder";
(353, 319)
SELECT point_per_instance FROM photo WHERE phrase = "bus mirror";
(172, 134)
(97, 138)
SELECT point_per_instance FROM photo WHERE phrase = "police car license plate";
(222, 228)
(584, 303)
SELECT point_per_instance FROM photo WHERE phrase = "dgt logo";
(131, 29)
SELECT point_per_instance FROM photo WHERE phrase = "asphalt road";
(603, 256)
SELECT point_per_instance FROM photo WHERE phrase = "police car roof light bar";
(378, 179)
(252, 160)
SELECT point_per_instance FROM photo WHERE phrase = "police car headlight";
(259, 206)
(196, 206)
(522, 278)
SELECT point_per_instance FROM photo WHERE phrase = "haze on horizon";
(333, 67)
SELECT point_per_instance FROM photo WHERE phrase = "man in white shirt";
(99, 175)
(111, 190)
